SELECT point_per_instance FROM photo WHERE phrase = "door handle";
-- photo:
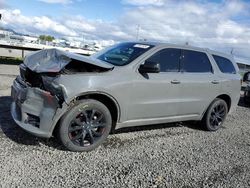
(215, 82)
(175, 82)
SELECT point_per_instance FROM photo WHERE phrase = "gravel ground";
(170, 155)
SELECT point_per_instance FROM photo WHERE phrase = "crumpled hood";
(54, 60)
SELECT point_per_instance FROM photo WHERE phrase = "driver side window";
(168, 59)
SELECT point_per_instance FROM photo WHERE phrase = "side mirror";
(149, 67)
(246, 77)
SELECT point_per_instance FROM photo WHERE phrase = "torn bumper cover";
(33, 109)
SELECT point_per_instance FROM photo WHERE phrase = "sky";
(222, 25)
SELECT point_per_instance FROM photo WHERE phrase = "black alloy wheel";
(215, 115)
(85, 126)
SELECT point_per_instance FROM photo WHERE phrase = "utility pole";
(137, 31)
(232, 51)
(0, 16)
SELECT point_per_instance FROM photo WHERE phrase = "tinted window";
(224, 64)
(169, 59)
(193, 61)
(124, 53)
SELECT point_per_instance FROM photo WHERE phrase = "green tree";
(46, 38)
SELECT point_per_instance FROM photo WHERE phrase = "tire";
(215, 115)
(85, 126)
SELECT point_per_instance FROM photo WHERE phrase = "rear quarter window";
(224, 64)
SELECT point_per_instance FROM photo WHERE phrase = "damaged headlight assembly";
(54, 88)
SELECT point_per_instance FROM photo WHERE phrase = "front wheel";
(215, 115)
(85, 126)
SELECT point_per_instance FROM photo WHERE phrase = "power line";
(137, 31)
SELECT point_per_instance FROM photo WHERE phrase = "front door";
(156, 95)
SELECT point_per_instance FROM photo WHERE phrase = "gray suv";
(130, 84)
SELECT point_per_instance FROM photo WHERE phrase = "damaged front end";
(35, 101)
(33, 109)
(38, 101)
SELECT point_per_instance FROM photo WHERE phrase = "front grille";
(31, 78)
(33, 120)
(19, 90)
(22, 69)
(21, 82)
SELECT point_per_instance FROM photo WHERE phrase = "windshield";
(124, 53)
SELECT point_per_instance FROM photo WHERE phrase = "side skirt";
(150, 121)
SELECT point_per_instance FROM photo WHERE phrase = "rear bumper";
(33, 109)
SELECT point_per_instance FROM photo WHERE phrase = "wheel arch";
(224, 97)
(108, 100)
(227, 99)
(105, 98)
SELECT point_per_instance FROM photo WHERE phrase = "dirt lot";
(171, 155)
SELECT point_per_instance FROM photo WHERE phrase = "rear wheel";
(215, 115)
(85, 126)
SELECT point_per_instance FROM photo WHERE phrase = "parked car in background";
(246, 79)
(130, 84)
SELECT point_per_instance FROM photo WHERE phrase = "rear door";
(199, 83)
(230, 79)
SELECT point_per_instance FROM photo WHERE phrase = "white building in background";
(75, 44)
(31, 39)
(5, 32)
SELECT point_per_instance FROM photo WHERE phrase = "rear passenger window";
(169, 59)
(193, 61)
(224, 64)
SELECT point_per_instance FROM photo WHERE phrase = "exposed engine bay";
(41, 68)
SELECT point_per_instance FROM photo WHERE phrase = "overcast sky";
(218, 24)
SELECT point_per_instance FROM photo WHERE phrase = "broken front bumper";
(33, 109)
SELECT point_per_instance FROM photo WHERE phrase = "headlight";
(51, 86)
